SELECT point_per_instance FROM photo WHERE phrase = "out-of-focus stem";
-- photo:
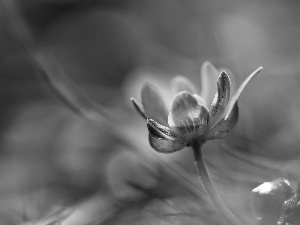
(210, 187)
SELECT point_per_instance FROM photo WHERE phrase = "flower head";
(193, 116)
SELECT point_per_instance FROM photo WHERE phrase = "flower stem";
(210, 187)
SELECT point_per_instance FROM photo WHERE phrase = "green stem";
(210, 187)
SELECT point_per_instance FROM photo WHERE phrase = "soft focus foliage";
(56, 166)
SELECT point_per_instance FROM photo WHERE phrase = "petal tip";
(147, 85)
(223, 74)
(258, 70)
(207, 63)
(209, 76)
(139, 108)
(222, 96)
(177, 79)
(180, 83)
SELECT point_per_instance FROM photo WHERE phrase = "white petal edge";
(139, 108)
(165, 146)
(161, 130)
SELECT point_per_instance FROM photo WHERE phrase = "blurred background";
(56, 166)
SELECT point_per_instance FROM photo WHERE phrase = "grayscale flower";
(193, 116)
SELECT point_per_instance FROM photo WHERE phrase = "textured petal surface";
(180, 83)
(233, 84)
(187, 116)
(154, 105)
(139, 108)
(160, 130)
(209, 77)
(165, 146)
(221, 97)
(228, 111)
(221, 129)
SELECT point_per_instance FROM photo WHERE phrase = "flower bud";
(266, 200)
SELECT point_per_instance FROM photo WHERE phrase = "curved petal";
(209, 77)
(221, 97)
(180, 83)
(165, 146)
(154, 105)
(187, 116)
(160, 130)
(221, 129)
(199, 99)
(139, 108)
(228, 111)
(233, 84)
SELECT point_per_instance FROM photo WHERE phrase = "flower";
(189, 118)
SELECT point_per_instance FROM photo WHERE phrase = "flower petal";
(139, 108)
(209, 77)
(199, 99)
(233, 84)
(221, 129)
(228, 111)
(154, 105)
(165, 146)
(221, 97)
(161, 139)
(180, 83)
(160, 130)
(187, 116)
